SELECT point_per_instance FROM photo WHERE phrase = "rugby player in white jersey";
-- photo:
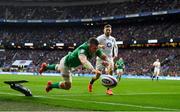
(157, 67)
(108, 45)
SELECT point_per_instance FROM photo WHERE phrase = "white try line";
(124, 94)
(99, 102)
(109, 103)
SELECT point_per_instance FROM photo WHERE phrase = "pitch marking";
(97, 102)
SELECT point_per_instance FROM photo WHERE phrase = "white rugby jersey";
(109, 43)
(157, 65)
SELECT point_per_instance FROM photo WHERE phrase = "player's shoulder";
(83, 46)
(113, 38)
(83, 49)
(101, 36)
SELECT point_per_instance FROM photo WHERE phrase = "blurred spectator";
(87, 11)
(138, 61)
(79, 33)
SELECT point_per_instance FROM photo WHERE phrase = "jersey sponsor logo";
(109, 44)
(82, 51)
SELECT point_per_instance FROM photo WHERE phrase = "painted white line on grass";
(111, 103)
(125, 94)
(14, 94)
(99, 102)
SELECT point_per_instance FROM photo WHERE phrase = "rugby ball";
(109, 81)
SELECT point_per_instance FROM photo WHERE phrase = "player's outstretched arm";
(105, 60)
(87, 64)
(115, 49)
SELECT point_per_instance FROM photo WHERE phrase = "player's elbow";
(82, 59)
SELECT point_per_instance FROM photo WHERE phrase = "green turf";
(129, 95)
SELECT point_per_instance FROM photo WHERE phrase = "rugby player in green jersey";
(120, 68)
(73, 59)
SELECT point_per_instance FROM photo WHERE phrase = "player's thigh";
(158, 72)
(155, 70)
(67, 78)
(111, 64)
(99, 65)
(65, 71)
(66, 75)
(119, 71)
(61, 65)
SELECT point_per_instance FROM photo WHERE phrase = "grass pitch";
(129, 95)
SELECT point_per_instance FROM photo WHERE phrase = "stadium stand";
(163, 27)
(157, 28)
(140, 63)
(78, 12)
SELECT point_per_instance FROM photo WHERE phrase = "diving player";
(78, 57)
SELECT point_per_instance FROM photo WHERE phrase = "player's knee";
(58, 67)
(67, 85)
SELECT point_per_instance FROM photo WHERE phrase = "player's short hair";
(108, 26)
(93, 40)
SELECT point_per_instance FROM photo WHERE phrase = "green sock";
(51, 67)
(55, 85)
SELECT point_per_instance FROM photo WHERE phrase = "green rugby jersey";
(120, 64)
(72, 59)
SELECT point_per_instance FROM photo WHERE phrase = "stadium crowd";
(137, 61)
(80, 33)
(78, 12)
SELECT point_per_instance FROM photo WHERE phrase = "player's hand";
(105, 63)
(101, 46)
(96, 72)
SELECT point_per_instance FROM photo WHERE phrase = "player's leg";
(45, 67)
(119, 74)
(157, 75)
(110, 72)
(66, 84)
(90, 86)
(154, 74)
(65, 71)
(96, 77)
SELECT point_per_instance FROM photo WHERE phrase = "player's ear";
(88, 42)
